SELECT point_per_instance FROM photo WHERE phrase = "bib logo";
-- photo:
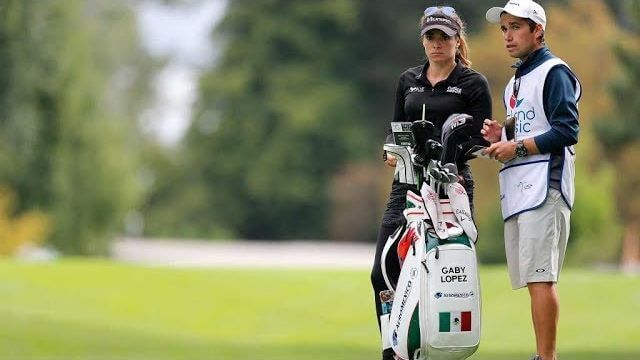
(513, 102)
(523, 117)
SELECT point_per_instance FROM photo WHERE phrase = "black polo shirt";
(464, 91)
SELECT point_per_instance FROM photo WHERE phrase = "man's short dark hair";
(532, 27)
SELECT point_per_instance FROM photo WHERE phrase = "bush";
(20, 230)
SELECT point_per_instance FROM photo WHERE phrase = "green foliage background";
(286, 137)
(67, 139)
(286, 140)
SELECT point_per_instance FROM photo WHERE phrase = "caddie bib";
(524, 182)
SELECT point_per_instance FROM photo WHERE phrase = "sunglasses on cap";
(446, 10)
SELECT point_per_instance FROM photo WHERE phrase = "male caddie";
(537, 180)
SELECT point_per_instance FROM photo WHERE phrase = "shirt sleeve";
(561, 109)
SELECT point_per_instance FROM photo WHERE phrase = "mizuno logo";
(416, 89)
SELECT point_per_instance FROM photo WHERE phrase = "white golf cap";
(526, 9)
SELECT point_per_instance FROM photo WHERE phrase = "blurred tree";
(275, 118)
(292, 117)
(69, 88)
(320, 80)
(619, 133)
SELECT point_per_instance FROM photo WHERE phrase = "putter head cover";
(456, 134)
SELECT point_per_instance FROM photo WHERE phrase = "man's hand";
(391, 160)
(502, 151)
(491, 131)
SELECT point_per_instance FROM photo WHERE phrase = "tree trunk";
(630, 259)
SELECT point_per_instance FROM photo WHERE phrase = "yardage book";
(402, 133)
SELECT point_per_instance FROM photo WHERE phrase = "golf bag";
(435, 311)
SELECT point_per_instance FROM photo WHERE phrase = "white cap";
(526, 9)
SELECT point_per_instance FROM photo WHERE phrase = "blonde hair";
(462, 52)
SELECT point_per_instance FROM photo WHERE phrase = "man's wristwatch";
(521, 150)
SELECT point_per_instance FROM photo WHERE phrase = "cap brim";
(493, 14)
(445, 29)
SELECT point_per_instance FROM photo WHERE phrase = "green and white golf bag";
(436, 312)
(436, 304)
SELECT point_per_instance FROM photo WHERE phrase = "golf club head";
(455, 131)
(451, 177)
(418, 159)
(422, 130)
(447, 176)
(451, 167)
(430, 167)
(455, 122)
(437, 173)
(438, 176)
(434, 150)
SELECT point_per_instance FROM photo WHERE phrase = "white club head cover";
(404, 167)
(453, 229)
(460, 206)
(415, 208)
(432, 205)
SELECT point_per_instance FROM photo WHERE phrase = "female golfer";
(444, 85)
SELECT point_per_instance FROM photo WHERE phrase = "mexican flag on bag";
(455, 321)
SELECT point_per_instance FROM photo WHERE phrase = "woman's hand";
(491, 131)
(391, 160)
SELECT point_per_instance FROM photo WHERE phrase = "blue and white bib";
(524, 182)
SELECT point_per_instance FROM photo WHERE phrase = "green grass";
(99, 310)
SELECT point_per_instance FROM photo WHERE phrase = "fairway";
(100, 310)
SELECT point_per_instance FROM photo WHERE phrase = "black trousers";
(377, 279)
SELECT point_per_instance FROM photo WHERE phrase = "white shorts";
(535, 242)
